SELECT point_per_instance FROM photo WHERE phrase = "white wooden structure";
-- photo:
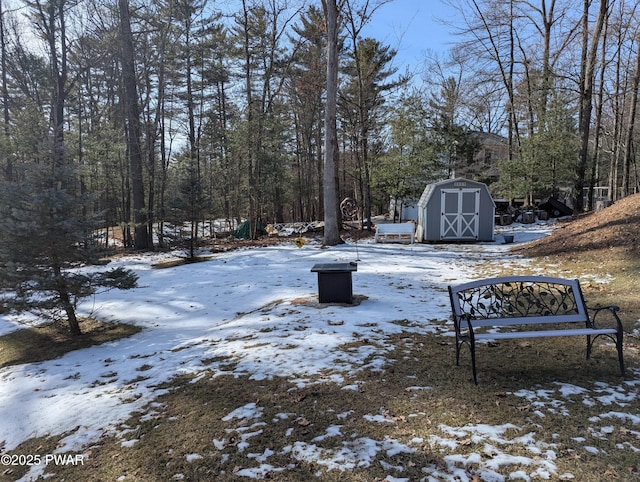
(395, 233)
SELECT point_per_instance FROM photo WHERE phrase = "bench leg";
(618, 342)
(619, 348)
(472, 347)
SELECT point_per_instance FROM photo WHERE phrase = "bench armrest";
(612, 310)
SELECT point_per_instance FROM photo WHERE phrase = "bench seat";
(479, 308)
(395, 233)
(545, 333)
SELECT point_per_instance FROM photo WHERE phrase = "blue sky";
(411, 27)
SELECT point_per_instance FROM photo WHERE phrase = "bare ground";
(605, 242)
(613, 231)
(192, 414)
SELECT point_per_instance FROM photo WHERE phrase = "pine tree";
(191, 200)
(411, 161)
(362, 99)
(46, 239)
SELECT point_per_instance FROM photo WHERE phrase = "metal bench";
(395, 232)
(546, 306)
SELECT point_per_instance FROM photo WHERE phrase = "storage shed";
(456, 210)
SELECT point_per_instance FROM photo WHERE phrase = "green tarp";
(244, 231)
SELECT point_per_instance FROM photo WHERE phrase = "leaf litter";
(252, 313)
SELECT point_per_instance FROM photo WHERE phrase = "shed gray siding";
(456, 210)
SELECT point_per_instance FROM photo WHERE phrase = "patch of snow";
(244, 306)
(192, 457)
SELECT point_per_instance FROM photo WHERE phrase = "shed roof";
(433, 187)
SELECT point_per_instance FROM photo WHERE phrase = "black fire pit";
(334, 282)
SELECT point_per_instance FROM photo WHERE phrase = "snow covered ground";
(217, 309)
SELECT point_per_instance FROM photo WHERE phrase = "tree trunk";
(595, 165)
(8, 166)
(253, 134)
(331, 228)
(631, 122)
(142, 235)
(508, 81)
(587, 71)
(618, 101)
(65, 300)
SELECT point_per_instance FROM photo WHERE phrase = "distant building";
(493, 148)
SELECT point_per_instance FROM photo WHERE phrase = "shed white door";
(460, 213)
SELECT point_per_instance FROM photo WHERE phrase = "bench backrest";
(513, 300)
(395, 228)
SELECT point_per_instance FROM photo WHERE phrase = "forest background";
(182, 111)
